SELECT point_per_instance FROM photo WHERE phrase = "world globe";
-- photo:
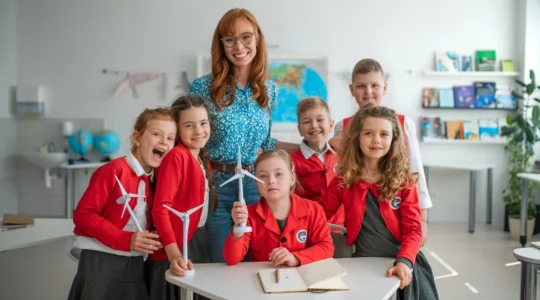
(107, 142)
(81, 142)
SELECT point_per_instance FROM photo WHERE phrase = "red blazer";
(314, 178)
(180, 184)
(98, 215)
(401, 215)
(306, 234)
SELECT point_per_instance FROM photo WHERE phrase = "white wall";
(8, 53)
(65, 44)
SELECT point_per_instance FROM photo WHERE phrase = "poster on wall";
(297, 77)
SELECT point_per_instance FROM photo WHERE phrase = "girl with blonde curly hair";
(382, 212)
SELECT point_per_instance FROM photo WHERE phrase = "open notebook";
(320, 275)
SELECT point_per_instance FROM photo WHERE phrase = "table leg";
(528, 281)
(489, 195)
(472, 201)
(69, 195)
(426, 173)
(523, 213)
(66, 191)
(186, 294)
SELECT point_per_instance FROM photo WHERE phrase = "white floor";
(466, 266)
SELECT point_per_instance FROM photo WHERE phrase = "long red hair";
(223, 87)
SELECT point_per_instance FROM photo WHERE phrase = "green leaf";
(506, 131)
(533, 79)
(529, 89)
(518, 137)
(536, 113)
(520, 121)
(537, 100)
(509, 120)
(517, 95)
(521, 83)
(530, 135)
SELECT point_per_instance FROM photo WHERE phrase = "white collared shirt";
(307, 152)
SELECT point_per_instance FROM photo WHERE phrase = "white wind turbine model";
(185, 221)
(124, 199)
(240, 173)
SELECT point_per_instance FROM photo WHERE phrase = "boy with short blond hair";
(314, 162)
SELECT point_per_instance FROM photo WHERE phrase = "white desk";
(530, 260)
(44, 230)
(525, 179)
(366, 279)
(473, 169)
(70, 183)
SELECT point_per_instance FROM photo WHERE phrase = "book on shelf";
(488, 129)
(432, 128)
(446, 61)
(470, 130)
(465, 63)
(454, 130)
(504, 97)
(484, 94)
(322, 275)
(464, 96)
(507, 65)
(486, 60)
(430, 97)
(446, 97)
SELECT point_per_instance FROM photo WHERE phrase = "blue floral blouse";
(243, 124)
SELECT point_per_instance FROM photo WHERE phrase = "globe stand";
(106, 159)
(81, 160)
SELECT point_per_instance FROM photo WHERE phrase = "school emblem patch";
(394, 204)
(301, 236)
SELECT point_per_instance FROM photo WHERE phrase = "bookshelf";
(470, 74)
(466, 142)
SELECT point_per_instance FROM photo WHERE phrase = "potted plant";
(521, 131)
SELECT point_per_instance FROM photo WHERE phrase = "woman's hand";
(403, 272)
(282, 256)
(144, 242)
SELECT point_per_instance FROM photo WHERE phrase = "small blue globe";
(107, 142)
(81, 142)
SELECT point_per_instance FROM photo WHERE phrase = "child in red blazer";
(111, 262)
(183, 182)
(286, 229)
(314, 162)
(382, 213)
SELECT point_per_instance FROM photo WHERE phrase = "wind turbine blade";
(120, 184)
(136, 196)
(174, 211)
(238, 175)
(189, 212)
(126, 204)
(251, 175)
(121, 200)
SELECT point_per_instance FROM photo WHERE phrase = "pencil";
(277, 275)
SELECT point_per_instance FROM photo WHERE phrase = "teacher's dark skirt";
(106, 276)
(158, 287)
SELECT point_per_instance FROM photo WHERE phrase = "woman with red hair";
(241, 99)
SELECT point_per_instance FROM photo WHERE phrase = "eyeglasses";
(245, 38)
